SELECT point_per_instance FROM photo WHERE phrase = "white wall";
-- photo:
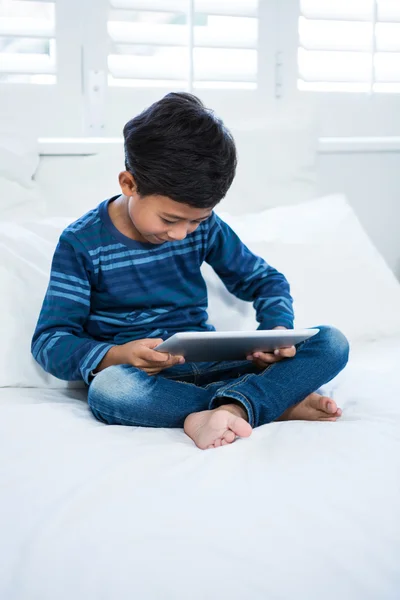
(371, 181)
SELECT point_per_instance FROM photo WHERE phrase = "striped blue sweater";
(107, 289)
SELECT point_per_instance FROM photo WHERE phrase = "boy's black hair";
(180, 149)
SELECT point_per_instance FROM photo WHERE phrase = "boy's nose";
(177, 234)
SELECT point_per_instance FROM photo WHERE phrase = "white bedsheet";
(298, 511)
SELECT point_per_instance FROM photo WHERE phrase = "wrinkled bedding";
(300, 510)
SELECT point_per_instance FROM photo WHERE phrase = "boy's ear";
(127, 183)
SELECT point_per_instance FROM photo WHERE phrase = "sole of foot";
(313, 408)
(214, 428)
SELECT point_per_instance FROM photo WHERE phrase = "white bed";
(299, 510)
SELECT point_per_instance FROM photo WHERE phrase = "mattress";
(300, 510)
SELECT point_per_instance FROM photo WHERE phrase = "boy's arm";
(60, 344)
(249, 277)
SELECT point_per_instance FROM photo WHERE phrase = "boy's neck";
(118, 212)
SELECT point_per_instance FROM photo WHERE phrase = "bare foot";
(313, 408)
(218, 427)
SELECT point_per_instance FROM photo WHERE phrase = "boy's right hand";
(140, 354)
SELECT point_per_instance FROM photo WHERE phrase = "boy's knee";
(114, 387)
(336, 344)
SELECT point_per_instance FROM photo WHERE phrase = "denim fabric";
(125, 395)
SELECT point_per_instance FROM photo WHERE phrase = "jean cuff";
(238, 397)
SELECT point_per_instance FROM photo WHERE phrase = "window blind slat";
(387, 37)
(346, 10)
(27, 44)
(234, 68)
(387, 88)
(338, 35)
(334, 66)
(176, 35)
(389, 11)
(15, 27)
(150, 41)
(148, 67)
(387, 67)
(334, 35)
(342, 47)
(326, 86)
(351, 10)
(26, 64)
(240, 8)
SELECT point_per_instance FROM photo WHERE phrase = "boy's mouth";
(159, 240)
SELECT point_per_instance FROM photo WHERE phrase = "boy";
(126, 276)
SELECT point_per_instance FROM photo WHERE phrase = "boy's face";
(158, 219)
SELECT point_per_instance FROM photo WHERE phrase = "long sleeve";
(249, 277)
(60, 343)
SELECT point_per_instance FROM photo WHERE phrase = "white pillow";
(18, 202)
(25, 259)
(309, 222)
(73, 185)
(337, 276)
(277, 159)
(284, 160)
(19, 156)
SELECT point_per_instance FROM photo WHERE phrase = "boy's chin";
(156, 240)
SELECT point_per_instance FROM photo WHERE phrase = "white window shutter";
(183, 43)
(349, 45)
(27, 42)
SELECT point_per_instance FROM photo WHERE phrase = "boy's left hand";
(262, 359)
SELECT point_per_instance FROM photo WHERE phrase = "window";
(27, 42)
(183, 43)
(349, 45)
(109, 59)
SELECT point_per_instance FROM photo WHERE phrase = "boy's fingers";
(177, 360)
(164, 359)
(152, 342)
(287, 352)
(173, 360)
(264, 357)
(153, 356)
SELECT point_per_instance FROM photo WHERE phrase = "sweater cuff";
(93, 359)
(284, 321)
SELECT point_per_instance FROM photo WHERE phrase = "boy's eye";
(172, 222)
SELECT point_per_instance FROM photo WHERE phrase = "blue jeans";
(125, 395)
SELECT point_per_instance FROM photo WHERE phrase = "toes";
(330, 407)
(228, 437)
(327, 405)
(239, 426)
(215, 428)
(336, 414)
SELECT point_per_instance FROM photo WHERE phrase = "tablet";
(231, 345)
